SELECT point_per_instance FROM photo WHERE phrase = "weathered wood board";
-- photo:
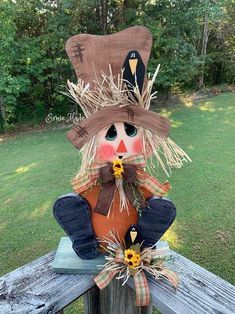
(35, 288)
(67, 261)
(199, 291)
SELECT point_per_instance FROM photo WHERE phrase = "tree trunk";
(2, 115)
(206, 31)
(103, 6)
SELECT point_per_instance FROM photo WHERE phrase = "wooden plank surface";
(35, 288)
(199, 292)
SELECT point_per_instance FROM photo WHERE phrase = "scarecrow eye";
(111, 133)
(130, 129)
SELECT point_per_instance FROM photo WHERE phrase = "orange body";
(115, 220)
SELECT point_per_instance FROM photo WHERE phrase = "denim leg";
(72, 212)
(156, 218)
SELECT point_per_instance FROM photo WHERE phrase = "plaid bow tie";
(142, 179)
(109, 187)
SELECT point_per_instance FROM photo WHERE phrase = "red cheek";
(106, 152)
(137, 146)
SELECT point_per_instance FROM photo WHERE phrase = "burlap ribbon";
(109, 187)
(140, 280)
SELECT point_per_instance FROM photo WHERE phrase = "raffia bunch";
(125, 262)
(109, 91)
(151, 260)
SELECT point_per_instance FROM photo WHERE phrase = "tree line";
(193, 40)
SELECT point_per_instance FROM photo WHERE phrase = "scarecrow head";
(114, 95)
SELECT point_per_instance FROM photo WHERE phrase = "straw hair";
(110, 91)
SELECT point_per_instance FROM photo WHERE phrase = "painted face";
(119, 140)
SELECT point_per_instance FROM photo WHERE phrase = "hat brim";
(136, 115)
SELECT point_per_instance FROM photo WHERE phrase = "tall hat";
(113, 87)
(102, 65)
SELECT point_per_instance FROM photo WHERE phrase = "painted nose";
(121, 147)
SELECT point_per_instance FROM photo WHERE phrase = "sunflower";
(132, 258)
(117, 169)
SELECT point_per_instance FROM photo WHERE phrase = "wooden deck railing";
(35, 288)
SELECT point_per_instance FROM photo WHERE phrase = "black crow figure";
(133, 236)
(134, 70)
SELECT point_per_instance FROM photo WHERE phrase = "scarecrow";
(121, 143)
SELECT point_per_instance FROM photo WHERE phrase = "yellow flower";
(118, 168)
(132, 258)
(136, 260)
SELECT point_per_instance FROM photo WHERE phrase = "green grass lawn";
(36, 167)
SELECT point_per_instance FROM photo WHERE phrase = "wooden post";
(114, 299)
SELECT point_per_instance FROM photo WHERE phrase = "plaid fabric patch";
(105, 277)
(152, 184)
(171, 276)
(83, 183)
(142, 289)
(119, 256)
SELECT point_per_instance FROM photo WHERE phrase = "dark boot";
(72, 212)
(156, 218)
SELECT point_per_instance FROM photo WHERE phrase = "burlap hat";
(103, 65)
